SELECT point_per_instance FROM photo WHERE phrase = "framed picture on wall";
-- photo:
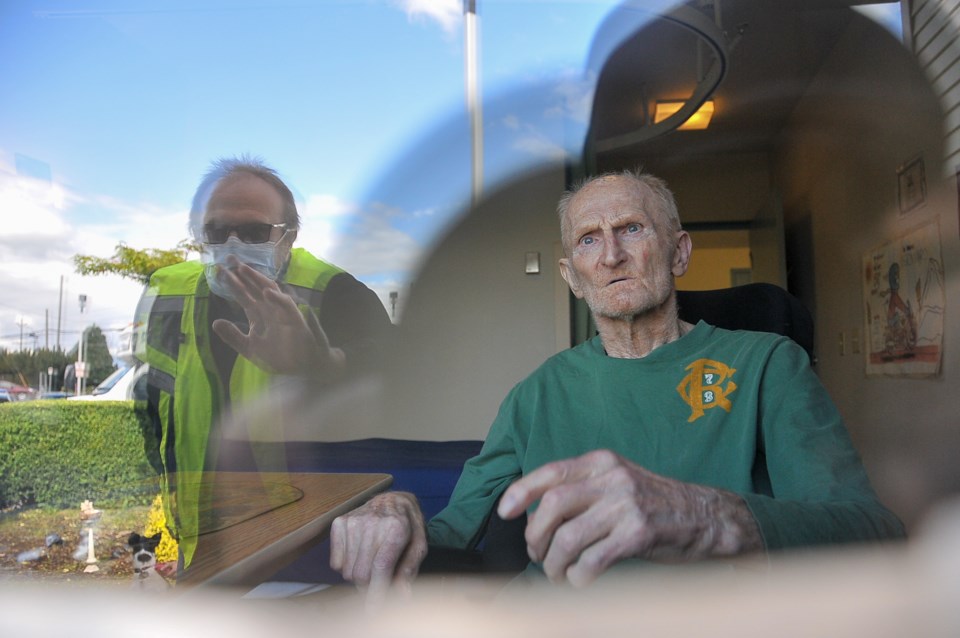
(904, 294)
(911, 185)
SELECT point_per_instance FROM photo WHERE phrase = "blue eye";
(633, 228)
(587, 241)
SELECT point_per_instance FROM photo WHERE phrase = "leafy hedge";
(61, 453)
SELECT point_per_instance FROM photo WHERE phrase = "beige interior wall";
(476, 323)
(868, 112)
(710, 191)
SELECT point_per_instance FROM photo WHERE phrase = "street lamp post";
(81, 366)
(474, 102)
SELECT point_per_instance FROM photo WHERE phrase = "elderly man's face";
(622, 255)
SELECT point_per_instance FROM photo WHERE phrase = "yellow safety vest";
(192, 396)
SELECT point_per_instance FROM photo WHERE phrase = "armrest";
(451, 560)
(502, 551)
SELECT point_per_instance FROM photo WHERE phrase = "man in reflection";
(656, 441)
(252, 314)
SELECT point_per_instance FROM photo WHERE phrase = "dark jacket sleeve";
(355, 321)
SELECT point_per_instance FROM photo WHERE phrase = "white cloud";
(31, 208)
(446, 13)
(326, 206)
(50, 224)
(424, 213)
(45, 225)
(532, 140)
(539, 146)
(366, 243)
(321, 216)
(572, 100)
(576, 96)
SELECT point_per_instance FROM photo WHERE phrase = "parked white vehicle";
(127, 382)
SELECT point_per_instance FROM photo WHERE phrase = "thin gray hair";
(225, 167)
(653, 191)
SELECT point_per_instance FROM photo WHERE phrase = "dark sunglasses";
(252, 233)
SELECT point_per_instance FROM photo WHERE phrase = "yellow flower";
(157, 522)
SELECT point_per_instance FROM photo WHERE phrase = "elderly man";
(656, 440)
(252, 311)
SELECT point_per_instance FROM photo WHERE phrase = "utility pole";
(21, 321)
(59, 312)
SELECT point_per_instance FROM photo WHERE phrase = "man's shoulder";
(180, 267)
(180, 278)
(572, 363)
(724, 335)
(753, 345)
(306, 259)
(309, 271)
(747, 337)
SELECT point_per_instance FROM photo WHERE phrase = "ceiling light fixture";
(710, 35)
(698, 121)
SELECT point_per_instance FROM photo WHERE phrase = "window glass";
(888, 14)
(386, 118)
(112, 113)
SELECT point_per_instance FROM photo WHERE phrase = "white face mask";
(260, 257)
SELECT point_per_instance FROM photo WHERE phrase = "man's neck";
(636, 337)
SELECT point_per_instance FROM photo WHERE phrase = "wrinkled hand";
(599, 508)
(380, 545)
(280, 338)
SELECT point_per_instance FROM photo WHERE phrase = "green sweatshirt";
(737, 410)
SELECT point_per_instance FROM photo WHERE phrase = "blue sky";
(110, 112)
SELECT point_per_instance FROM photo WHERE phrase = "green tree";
(96, 354)
(132, 263)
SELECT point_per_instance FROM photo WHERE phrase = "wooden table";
(258, 522)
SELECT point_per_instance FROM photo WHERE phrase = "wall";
(706, 190)
(868, 111)
(475, 323)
